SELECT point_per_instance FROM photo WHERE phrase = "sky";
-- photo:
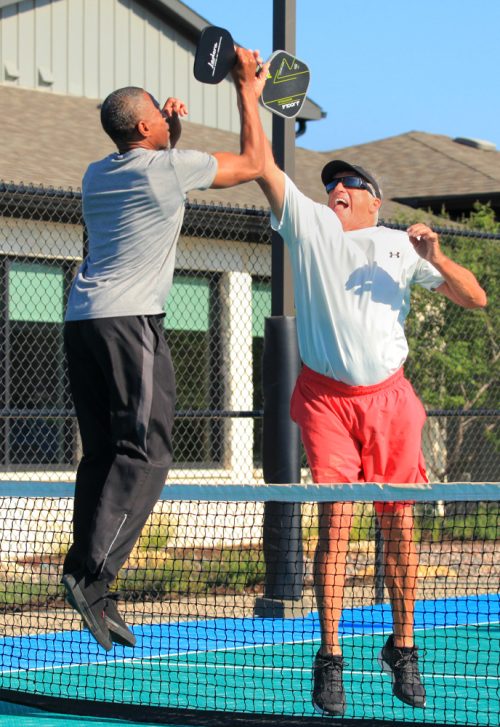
(384, 68)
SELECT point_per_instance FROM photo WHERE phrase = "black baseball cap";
(337, 165)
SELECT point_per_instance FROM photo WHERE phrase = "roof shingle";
(50, 139)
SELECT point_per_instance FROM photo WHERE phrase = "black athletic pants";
(123, 388)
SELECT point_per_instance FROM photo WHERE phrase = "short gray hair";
(120, 112)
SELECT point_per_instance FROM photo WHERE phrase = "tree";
(455, 358)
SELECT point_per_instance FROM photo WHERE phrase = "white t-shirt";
(133, 206)
(352, 291)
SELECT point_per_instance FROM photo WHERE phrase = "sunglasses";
(350, 183)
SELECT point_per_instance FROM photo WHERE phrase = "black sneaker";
(118, 629)
(88, 599)
(328, 695)
(402, 664)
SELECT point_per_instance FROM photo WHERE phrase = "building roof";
(50, 139)
(420, 169)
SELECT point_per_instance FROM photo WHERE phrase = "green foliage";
(454, 352)
(363, 527)
(192, 571)
(363, 524)
(155, 536)
(482, 523)
(482, 218)
(15, 593)
(454, 355)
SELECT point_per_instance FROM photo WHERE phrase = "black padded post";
(281, 460)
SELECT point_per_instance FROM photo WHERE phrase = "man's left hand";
(173, 109)
(261, 76)
(425, 241)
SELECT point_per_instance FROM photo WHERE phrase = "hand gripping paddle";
(287, 80)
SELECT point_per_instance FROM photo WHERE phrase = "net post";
(282, 533)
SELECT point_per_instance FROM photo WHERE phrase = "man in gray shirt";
(119, 365)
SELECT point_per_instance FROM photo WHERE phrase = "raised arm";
(272, 182)
(249, 163)
(174, 109)
(460, 285)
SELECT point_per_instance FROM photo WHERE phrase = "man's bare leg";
(335, 520)
(401, 570)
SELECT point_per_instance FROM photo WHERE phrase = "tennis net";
(221, 639)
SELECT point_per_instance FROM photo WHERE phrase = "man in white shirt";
(360, 419)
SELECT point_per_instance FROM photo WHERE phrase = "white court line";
(308, 670)
(243, 647)
(280, 669)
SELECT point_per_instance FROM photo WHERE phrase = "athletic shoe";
(118, 629)
(402, 664)
(88, 599)
(328, 695)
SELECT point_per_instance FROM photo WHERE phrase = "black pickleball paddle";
(286, 86)
(215, 55)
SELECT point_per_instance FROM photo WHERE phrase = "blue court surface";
(263, 666)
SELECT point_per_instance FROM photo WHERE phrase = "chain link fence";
(214, 325)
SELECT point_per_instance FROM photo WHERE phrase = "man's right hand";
(245, 70)
(173, 110)
(249, 163)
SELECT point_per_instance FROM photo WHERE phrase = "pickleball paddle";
(215, 56)
(286, 86)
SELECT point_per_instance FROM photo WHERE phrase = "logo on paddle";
(214, 55)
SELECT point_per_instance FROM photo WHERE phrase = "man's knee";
(400, 508)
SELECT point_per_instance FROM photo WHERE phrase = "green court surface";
(263, 666)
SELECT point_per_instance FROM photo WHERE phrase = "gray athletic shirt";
(133, 206)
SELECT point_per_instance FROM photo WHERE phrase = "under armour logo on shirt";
(394, 254)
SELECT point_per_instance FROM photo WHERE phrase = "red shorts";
(360, 433)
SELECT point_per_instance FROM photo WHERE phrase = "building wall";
(90, 47)
(218, 301)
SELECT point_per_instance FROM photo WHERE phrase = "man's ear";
(375, 204)
(143, 128)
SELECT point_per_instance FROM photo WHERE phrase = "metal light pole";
(281, 365)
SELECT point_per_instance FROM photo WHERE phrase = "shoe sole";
(77, 600)
(386, 668)
(329, 713)
(119, 634)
